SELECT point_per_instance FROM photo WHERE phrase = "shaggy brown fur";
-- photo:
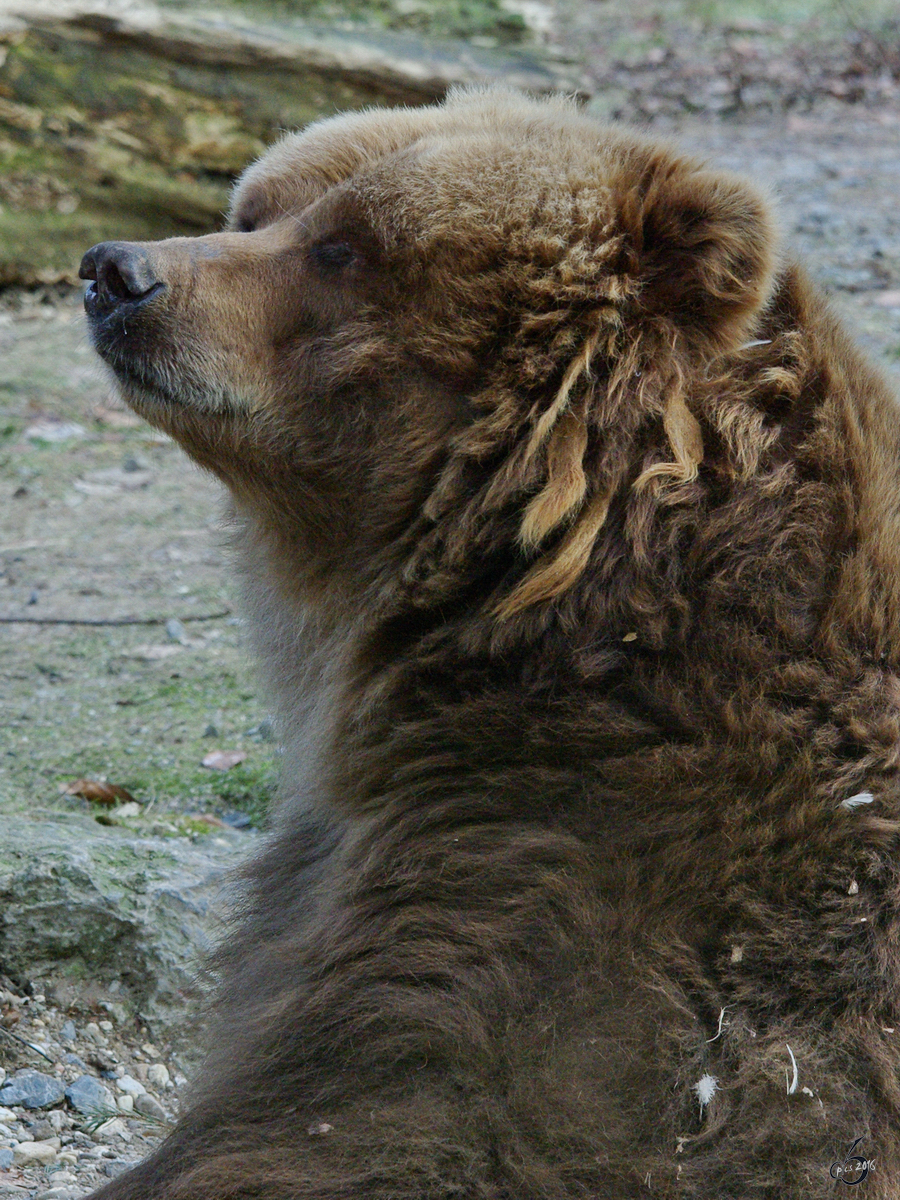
(570, 522)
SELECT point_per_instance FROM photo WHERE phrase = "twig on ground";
(213, 616)
(37, 1050)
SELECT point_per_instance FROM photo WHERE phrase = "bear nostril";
(111, 279)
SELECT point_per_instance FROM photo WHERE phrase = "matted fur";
(569, 523)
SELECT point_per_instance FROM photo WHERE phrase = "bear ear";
(705, 246)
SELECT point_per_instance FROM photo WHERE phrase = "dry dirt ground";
(104, 519)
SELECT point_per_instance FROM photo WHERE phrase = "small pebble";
(118, 1012)
(27, 1153)
(58, 1120)
(125, 1103)
(131, 1086)
(158, 1075)
(149, 1106)
(237, 820)
(102, 1059)
(68, 1033)
(113, 1128)
(175, 630)
(115, 1166)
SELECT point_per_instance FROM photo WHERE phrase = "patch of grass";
(152, 736)
(80, 706)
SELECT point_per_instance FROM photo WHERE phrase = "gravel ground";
(98, 701)
(82, 1094)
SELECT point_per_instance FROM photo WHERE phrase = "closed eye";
(332, 257)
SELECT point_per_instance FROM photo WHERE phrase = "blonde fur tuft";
(549, 579)
(686, 439)
(566, 484)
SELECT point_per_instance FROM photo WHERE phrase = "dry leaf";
(224, 760)
(99, 793)
(210, 820)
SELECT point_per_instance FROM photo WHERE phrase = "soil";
(108, 520)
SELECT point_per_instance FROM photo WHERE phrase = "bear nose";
(122, 272)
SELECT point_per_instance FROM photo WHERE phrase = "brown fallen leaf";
(210, 820)
(99, 793)
(224, 760)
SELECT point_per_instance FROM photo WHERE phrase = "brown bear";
(569, 525)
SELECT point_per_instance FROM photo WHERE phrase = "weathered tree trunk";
(132, 125)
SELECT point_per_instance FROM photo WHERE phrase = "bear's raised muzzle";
(121, 274)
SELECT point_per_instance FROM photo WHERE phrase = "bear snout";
(120, 274)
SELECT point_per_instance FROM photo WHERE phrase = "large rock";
(88, 1095)
(83, 902)
(32, 1089)
(130, 122)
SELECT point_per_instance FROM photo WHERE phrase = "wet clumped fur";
(568, 520)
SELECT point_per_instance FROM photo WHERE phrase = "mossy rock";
(80, 900)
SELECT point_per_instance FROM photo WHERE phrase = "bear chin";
(566, 519)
